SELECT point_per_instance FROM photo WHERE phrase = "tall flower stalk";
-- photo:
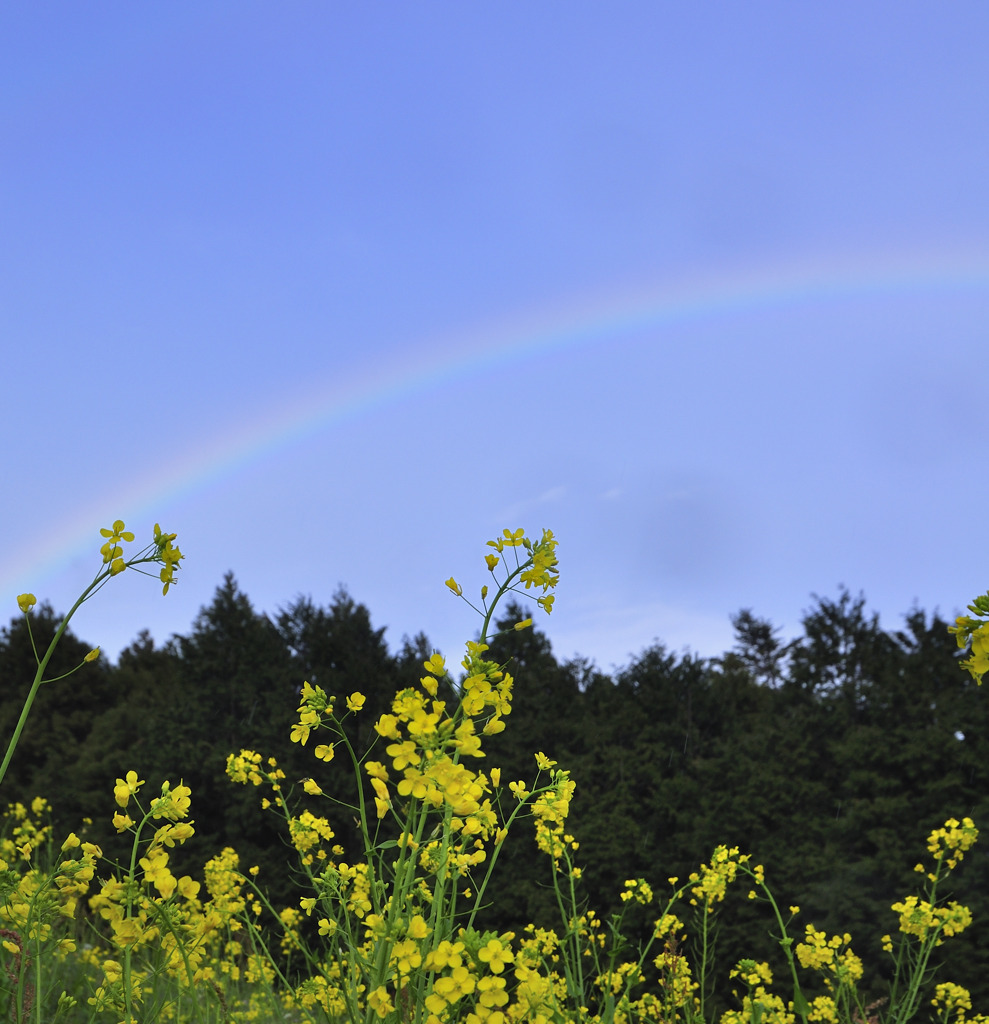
(159, 552)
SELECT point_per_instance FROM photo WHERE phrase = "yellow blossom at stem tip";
(126, 788)
(117, 533)
(26, 601)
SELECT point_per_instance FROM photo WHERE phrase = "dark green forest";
(829, 757)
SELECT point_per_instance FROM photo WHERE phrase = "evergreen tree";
(759, 648)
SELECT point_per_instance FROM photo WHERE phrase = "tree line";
(828, 758)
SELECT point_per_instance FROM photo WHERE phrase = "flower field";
(391, 925)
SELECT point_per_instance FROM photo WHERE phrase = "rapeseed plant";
(972, 631)
(159, 552)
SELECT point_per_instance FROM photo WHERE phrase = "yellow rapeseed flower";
(117, 533)
(436, 665)
(496, 955)
(380, 1001)
(126, 788)
(953, 998)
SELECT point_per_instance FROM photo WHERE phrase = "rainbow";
(561, 327)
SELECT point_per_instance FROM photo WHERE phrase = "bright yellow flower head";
(951, 842)
(174, 803)
(496, 955)
(26, 601)
(117, 533)
(436, 665)
(126, 788)
(387, 726)
(953, 998)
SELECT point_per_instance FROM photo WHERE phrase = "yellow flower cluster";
(831, 957)
(763, 1006)
(974, 630)
(678, 989)
(824, 1009)
(539, 572)
(713, 879)
(951, 842)
(550, 810)
(752, 973)
(246, 767)
(168, 555)
(35, 904)
(952, 999)
(161, 918)
(637, 889)
(160, 550)
(308, 831)
(133, 920)
(920, 918)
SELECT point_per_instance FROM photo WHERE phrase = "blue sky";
(336, 292)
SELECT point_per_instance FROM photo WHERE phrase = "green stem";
(148, 554)
(478, 900)
(800, 1004)
(35, 686)
(502, 590)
